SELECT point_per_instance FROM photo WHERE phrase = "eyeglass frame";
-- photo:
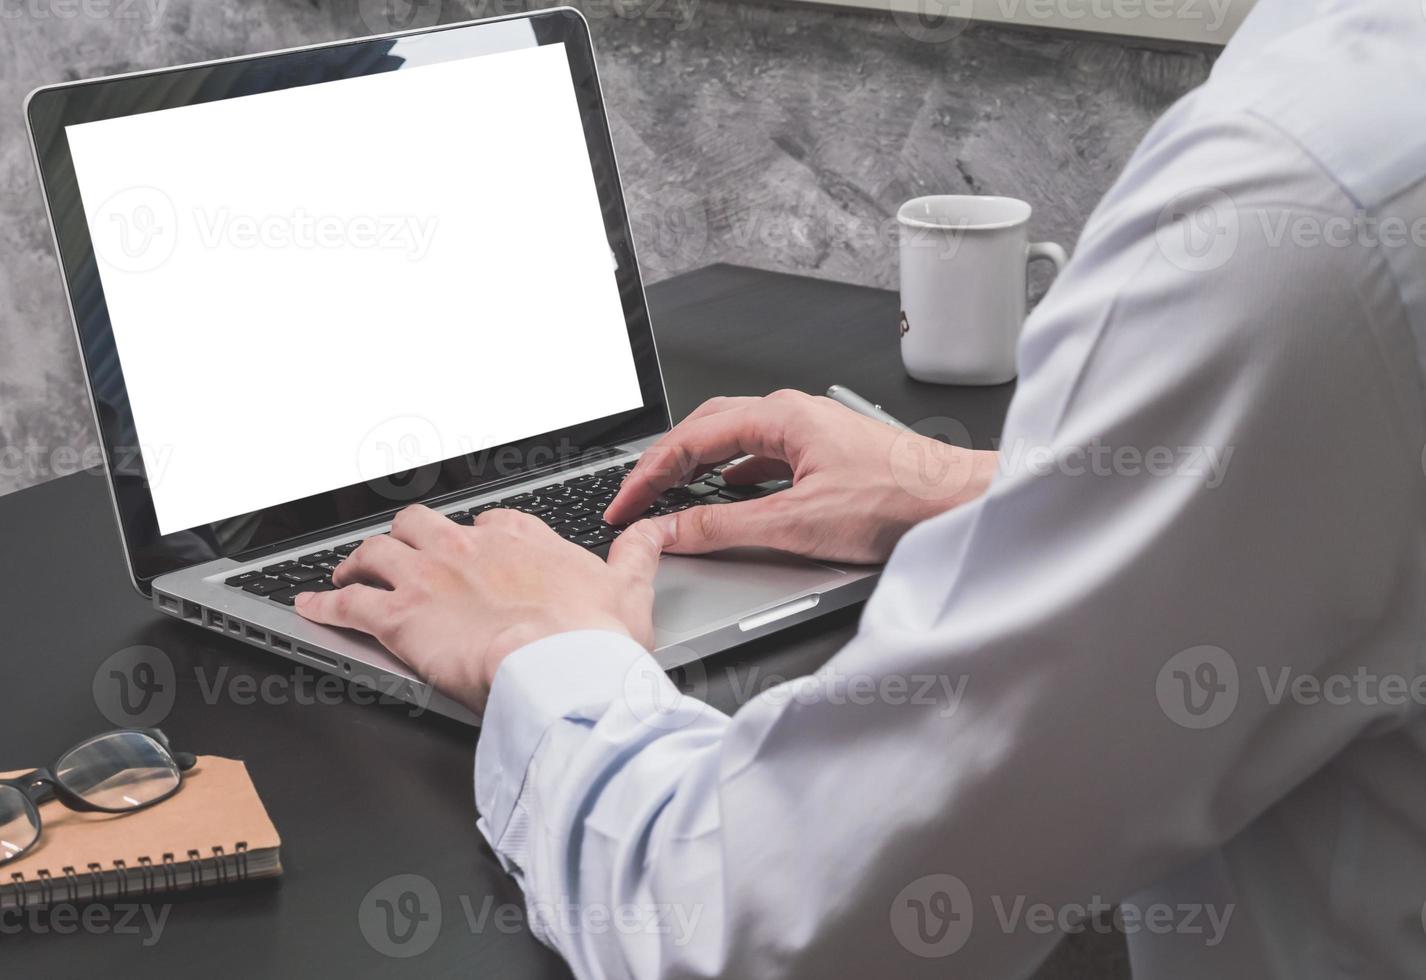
(43, 785)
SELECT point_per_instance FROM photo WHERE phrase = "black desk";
(363, 792)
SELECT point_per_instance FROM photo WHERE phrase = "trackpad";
(691, 593)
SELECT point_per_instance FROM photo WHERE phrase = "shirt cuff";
(569, 675)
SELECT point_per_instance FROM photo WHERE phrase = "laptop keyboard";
(572, 508)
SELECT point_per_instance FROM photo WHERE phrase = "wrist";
(522, 634)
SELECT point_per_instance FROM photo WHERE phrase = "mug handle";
(1047, 250)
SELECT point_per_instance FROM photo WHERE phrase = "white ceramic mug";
(963, 286)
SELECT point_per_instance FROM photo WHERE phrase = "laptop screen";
(331, 283)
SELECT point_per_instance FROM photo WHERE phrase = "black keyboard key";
(301, 574)
(536, 507)
(462, 517)
(316, 558)
(701, 489)
(243, 579)
(595, 538)
(348, 548)
(281, 566)
(265, 586)
(585, 526)
(518, 499)
(609, 470)
(289, 596)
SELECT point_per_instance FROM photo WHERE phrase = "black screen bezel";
(150, 554)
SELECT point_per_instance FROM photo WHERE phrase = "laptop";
(315, 286)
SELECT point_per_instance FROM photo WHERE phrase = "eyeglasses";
(116, 772)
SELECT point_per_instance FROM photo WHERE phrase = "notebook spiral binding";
(98, 882)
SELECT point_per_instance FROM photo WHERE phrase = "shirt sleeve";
(1064, 690)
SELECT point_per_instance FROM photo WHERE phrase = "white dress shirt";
(1171, 659)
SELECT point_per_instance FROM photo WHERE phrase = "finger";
(512, 519)
(635, 553)
(653, 458)
(713, 527)
(757, 469)
(757, 427)
(421, 528)
(359, 607)
(381, 560)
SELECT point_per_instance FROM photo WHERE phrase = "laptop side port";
(255, 634)
(319, 657)
(214, 620)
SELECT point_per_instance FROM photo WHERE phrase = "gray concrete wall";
(779, 137)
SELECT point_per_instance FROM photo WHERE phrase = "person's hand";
(453, 602)
(857, 484)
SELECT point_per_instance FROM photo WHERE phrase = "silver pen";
(846, 396)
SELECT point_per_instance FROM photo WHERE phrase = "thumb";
(636, 551)
(713, 527)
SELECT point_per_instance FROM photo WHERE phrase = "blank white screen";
(333, 283)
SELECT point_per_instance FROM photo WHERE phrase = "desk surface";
(362, 792)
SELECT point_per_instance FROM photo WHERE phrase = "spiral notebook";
(215, 830)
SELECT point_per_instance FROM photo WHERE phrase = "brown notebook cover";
(212, 831)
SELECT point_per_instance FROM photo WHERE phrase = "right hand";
(858, 484)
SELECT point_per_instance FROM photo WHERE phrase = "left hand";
(452, 602)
